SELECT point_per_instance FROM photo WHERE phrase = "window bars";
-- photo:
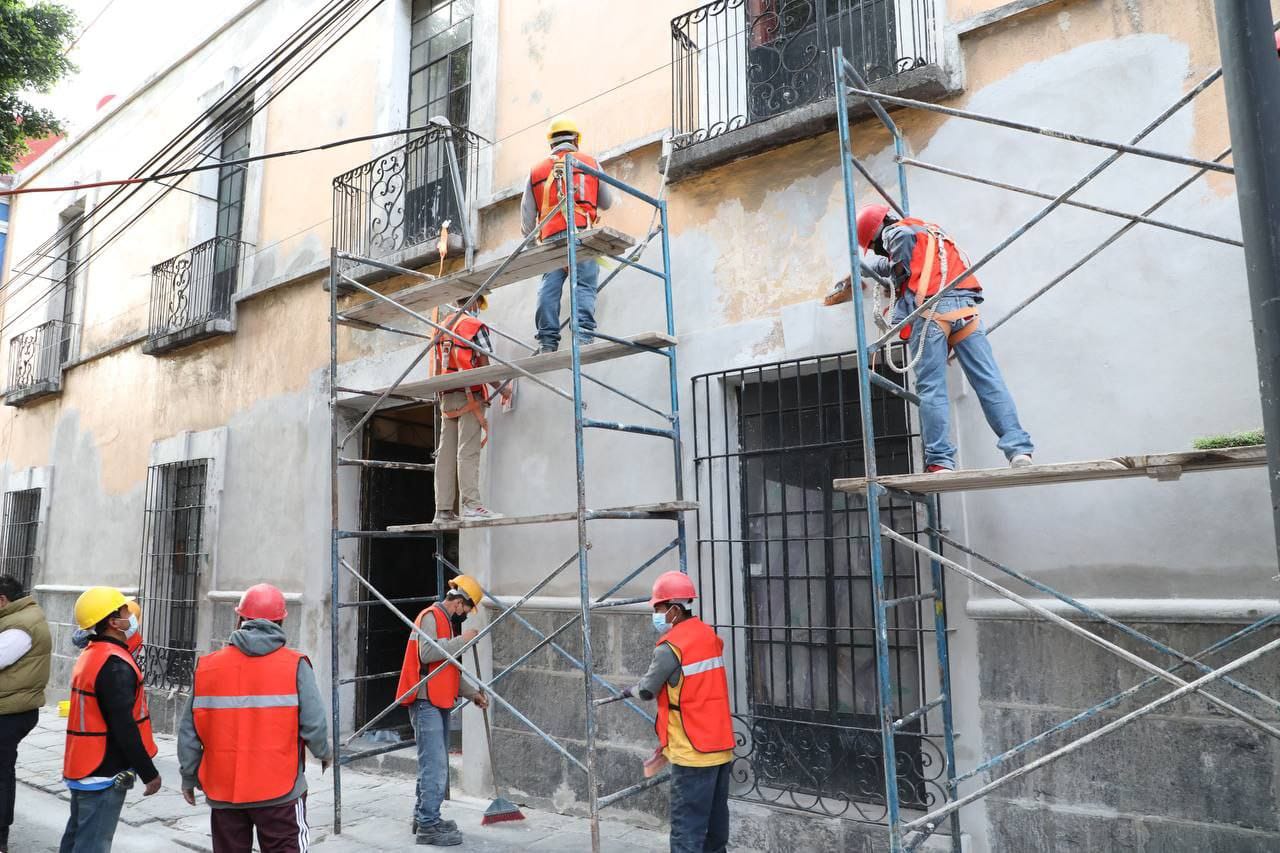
(173, 557)
(19, 535)
(910, 824)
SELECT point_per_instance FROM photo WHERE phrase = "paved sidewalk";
(376, 811)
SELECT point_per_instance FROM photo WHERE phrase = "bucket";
(64, 708)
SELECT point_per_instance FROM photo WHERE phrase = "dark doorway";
(404, 570)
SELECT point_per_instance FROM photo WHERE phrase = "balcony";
(191, 295)
(750, 75)
(392, 209)
(35, 362)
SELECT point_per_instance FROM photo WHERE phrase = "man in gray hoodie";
(254, 704)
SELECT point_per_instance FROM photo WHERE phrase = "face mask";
(133, 626)
(660, 623)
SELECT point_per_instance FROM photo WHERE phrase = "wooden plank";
(656, 510)
(531, 262)
(559, 360)
(1160, 466)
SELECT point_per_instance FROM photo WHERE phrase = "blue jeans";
(979, 366)
(431, 731)
(548, 315)
(700, 808)
(92, 825)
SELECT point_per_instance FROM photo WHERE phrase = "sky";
(123, 42)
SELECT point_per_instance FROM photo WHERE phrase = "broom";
(501, 809)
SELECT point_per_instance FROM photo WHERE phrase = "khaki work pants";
(457, 456)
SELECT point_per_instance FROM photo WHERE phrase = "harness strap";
(557, 176)
(945, 322)
(475, 407)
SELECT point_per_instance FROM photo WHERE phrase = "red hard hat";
(870, 218)
(671, 586)
(262, 601)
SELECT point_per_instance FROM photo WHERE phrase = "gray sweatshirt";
(529, 205)
(257, 637)
(427, 653)
(664, 668)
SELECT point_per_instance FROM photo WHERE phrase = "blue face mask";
(660, 623)
(133, 627)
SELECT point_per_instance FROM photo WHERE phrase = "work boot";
(479, 513)
(445, 516)
(936, 469)
(447, 824)
(440, 836)
(1020, 460)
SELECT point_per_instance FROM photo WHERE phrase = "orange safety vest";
(927, 262)
(86, 727)
(704, 689)
(547, 180)
(451, 355)
(245, 710)
(442, 689)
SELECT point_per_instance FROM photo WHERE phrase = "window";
(784, 557)
(69, 251)
(173, 551)
(18, 536)
(230, 212)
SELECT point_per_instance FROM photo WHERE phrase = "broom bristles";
(501, 810)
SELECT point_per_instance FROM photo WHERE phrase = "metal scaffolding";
(406, 312)
(910, 832)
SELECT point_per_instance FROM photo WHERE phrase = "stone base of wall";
(1188, 779)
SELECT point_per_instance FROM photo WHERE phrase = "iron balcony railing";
(35, 358)
(738, 62)
(399, 202)
(194, 288)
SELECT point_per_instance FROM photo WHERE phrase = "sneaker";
(935, 469)
(1021, 460)
(479, 513)
(450, 825)
(547, 348)
(439, 836)
(445, 516)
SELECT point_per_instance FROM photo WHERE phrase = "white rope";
(941, 240)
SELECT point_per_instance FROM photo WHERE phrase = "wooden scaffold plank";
(667, 509)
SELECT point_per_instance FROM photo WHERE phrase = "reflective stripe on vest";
(245, 709)
(442, 689)
(86, 727)
(703, 688)
(546, 179)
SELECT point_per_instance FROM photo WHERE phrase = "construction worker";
(254, 704)
(542, 194)
(108, 727)
(919, 258)
(25, 649)
(430, 704)
(464, 429)
(694, 727)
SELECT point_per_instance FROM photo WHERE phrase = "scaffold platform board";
(545, 363)
(1158, 466)
(596, 242)
(666, 510)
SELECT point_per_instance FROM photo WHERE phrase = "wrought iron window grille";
(196, 287)
(19, 535)
(738, 62)
(35, 358)
(173, 557)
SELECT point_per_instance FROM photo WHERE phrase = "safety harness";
(450, 355)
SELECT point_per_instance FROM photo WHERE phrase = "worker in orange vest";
(108, 728)
(464, 428)
(431, 703)
(919, 259)
(694, 726)
(544, 193)
(254, 705)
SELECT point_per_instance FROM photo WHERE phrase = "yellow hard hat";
(135, 608)
(468, 587)
(97, 603)
(483, 302)
(562, 125)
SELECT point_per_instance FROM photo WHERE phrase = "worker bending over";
(255, 703)
(919, 259)
(431, 703)
(544, 192)
(109, 726)
(464, 427)
(694, 727)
